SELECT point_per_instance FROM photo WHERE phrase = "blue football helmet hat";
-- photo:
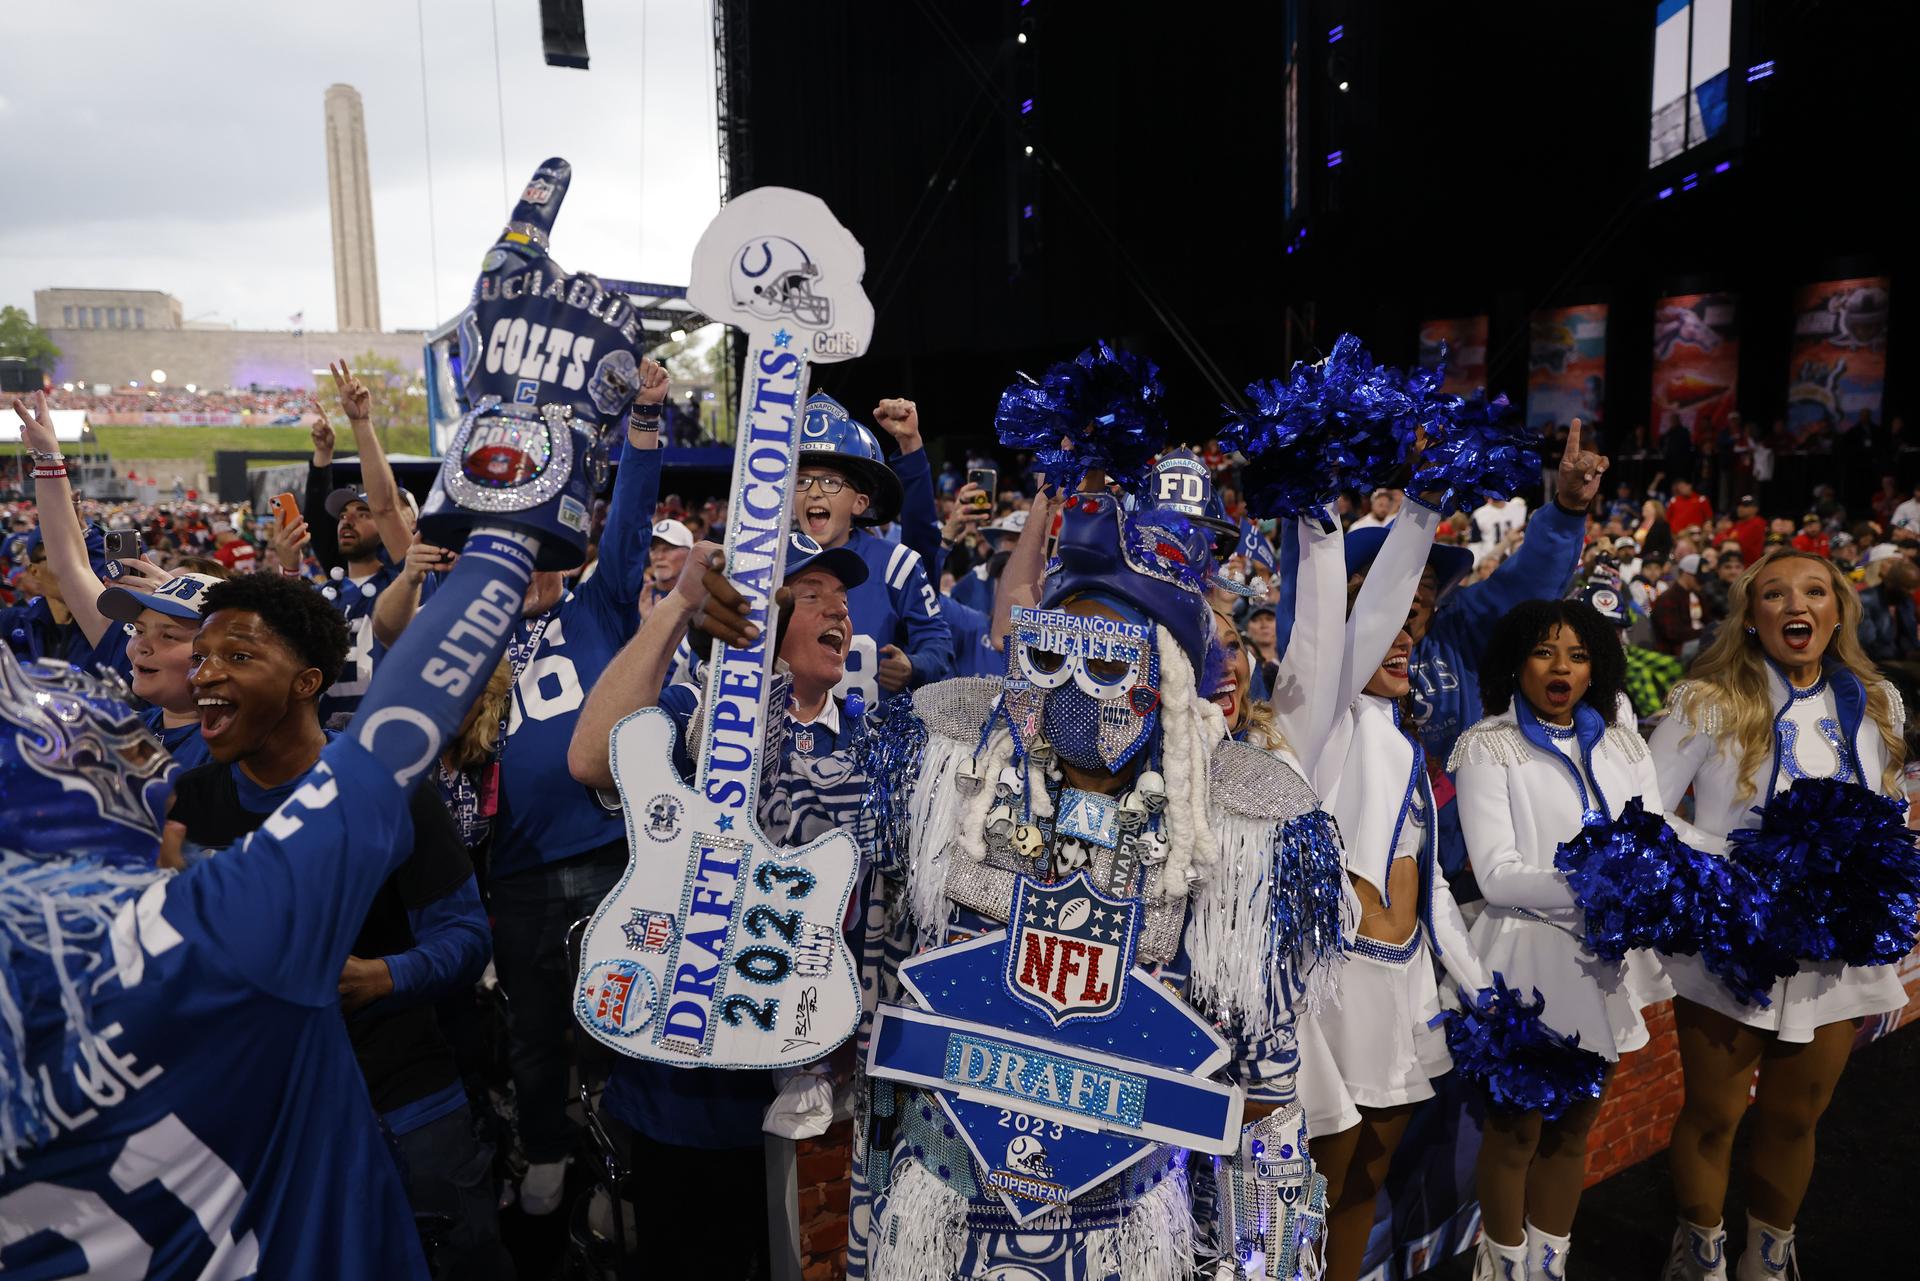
(81, 774)
(829, 437)
(1159, 560)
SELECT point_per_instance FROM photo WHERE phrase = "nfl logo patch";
(1069, 948)
(616, 997)
(649, 931)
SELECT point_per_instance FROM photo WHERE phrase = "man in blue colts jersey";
(557, 847)
(178, 1097)
(364, 546)
(843, 484)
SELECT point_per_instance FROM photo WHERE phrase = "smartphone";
(287, 508)
(125, 544)
(989, 480)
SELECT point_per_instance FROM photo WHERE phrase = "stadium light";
(1343, 86)
(159, 375)
(66, 386)
(192, 388)
(1029, 148)
(678, 335)
(1022, 37)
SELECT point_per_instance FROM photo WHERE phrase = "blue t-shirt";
(182, 742)
(31, 632)
(228, 1131)
(544, 815)
(895, 606)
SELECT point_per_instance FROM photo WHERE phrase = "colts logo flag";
(1069, 948)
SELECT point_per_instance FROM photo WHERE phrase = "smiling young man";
(698, 1129)
(268, 649)
(844, 487)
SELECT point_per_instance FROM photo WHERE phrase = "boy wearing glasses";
(843, 488)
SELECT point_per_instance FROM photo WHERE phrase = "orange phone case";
(287, 508)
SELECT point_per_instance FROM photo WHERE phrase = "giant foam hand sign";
(549, 361)
(718, 948)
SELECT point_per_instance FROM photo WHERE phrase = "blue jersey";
(1445, 666)
(895, 606)
(355, 601)
(544, 815)
(30, 630)
(973, 653)
(183, 742)
(223, 1128)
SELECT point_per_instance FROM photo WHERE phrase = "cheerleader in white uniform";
(1547, 761)
(1784, 692)
(1368, 1057)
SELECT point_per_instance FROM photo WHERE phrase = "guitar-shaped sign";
(718, 948)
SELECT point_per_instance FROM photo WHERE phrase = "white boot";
(1769, 1255)
(1698, 1254)
(1547, 1255)
(1496, 1262)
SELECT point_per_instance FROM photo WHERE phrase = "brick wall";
(822, 1173)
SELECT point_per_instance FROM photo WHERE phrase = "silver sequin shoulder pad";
(1253, 783)
(1490, 742)
(957, 708)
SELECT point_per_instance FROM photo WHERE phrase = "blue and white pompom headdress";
(1100, 411)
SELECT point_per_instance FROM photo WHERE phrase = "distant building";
(356, 277)
(120, 336)
(105, 309)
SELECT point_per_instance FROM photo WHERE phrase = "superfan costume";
(1066, 1076)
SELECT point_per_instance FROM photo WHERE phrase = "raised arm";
(1020, 580)
(323, 529)
(1380, 610)
(60, 531)
(1310, 631)
(376, 474)
(919, 517)
(634, 678)
(394, 608)
(622, 573)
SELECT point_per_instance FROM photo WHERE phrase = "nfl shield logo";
(1069, 948)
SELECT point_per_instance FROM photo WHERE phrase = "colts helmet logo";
(1069, 948)
(773, 278)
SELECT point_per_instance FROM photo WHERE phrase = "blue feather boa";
(1499, 1041)
(1105, 404)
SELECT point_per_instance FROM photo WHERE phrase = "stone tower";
(356, 279)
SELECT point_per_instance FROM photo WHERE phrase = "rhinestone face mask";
(1089, 686)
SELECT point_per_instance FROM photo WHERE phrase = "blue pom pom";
(1329, 426)
(1477, 449)
(1105, 403)
(1842, 869)
(1640, 885)
(893, 738)
(1499, 1041)
(1309, 893)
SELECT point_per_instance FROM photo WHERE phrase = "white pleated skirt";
(1585, 996)
(1822, 992)
(1381, 1045)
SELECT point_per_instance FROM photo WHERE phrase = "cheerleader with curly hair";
(1546, 762)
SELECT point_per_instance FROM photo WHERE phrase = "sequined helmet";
(80, 773)
(830, 437)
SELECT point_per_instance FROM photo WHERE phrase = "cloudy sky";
(179, 146)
